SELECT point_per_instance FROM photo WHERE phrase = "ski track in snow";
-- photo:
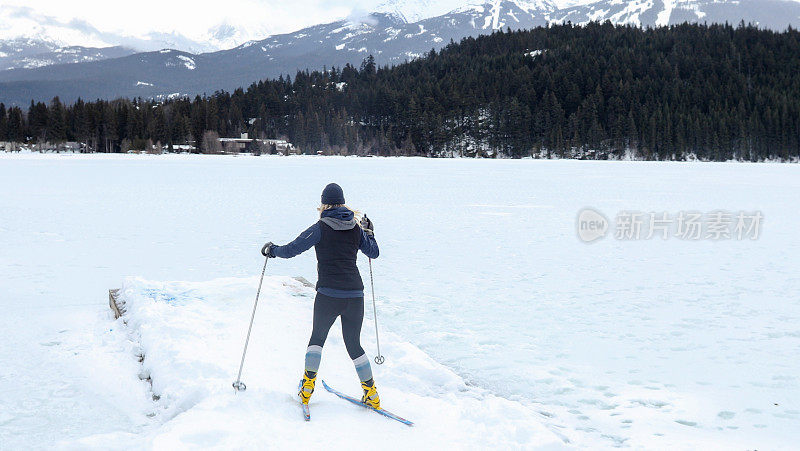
(658, 344)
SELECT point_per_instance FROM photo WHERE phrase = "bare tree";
(125, 145)
(156, 149)
(210, 143)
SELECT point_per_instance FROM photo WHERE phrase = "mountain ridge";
(387, 36)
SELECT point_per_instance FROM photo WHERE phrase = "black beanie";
(332, 195)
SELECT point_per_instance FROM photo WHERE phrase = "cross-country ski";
(381, 410)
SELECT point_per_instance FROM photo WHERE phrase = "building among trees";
(244, 143)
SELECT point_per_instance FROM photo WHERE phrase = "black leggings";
(326, 309)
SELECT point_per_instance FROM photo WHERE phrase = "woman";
(337, 238)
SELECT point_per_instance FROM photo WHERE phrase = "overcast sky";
(190, 18)
(186, 15)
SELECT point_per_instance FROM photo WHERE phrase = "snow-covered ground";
(189, 334)
(645, 343)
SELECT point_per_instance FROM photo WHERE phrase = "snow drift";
(189, 338)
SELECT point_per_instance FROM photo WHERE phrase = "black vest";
(336, 258)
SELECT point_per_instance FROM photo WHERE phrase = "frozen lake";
(633, 343)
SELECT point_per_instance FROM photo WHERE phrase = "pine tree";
(56, 121)
(16, 125)
(3, 123)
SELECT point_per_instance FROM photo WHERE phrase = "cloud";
(78, 31)
(19, 12)
(192, 25)
(359, 16)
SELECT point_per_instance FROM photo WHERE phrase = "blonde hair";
(356, 214)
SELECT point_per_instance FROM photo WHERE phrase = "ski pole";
(239, 385)
(378, 358)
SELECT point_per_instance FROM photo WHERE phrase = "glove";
(266, 251)
(367, 226)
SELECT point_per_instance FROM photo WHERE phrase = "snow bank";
(191, 335)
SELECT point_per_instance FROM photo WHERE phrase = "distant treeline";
(717, 92)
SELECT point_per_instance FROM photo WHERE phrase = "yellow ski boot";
(306, 387)
(371, 397)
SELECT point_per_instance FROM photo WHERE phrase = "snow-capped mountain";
(37, 48)
(774, 14)
(389, 36)
(411, 11)
(386, 36)
(415, 10)
(32, 53)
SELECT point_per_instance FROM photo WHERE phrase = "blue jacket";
(339, 219)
